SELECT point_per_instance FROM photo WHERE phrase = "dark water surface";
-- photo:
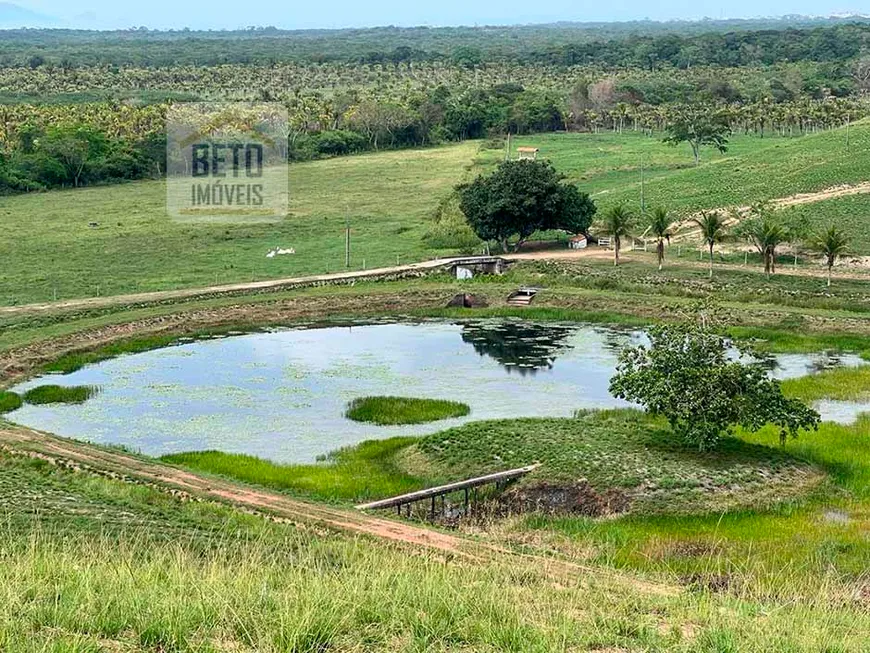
(281, 395)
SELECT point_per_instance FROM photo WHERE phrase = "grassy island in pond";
(9, 401)
(58, 394)
(403, 410)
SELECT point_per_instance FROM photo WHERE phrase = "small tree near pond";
(520, 198)
(687, 376)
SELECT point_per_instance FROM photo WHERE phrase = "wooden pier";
(499, 478)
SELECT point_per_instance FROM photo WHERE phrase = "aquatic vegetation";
(58, 394)
(844, 384)
(403, 410)
(9, 401)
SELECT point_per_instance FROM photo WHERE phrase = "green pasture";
(49, 251)
(96, 564)
(612, 167)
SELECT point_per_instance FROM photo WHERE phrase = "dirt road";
(687, 230)
(228, 289)
(87, 458)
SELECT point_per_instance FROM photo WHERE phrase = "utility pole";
(507, 152)
(346, 241)
(642, 189)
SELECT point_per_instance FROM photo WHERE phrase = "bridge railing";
(442, 490)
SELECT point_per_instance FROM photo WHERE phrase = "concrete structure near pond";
(469, 267)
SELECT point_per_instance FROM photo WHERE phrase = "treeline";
(50, 146)
(733, 49)
(642, 44)
(76, 155)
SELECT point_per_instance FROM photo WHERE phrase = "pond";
(281, 394)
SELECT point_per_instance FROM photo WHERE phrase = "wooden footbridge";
(499, 479)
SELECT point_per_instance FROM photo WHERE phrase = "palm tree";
(660, 227)
(766, 234)
(617, 224)
(712, 226)
(830, 243)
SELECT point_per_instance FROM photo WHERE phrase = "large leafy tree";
(687, 376)
(831, 243)
(520, 198)
(698, 128)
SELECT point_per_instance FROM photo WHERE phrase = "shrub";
(451, 230)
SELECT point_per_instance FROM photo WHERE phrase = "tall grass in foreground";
(302, 592)
(403, 410)
(358, 473)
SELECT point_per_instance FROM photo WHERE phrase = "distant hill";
(13, 17)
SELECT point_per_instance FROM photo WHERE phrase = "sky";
(293, 14)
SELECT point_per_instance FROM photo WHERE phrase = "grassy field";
(92, 564)
(608, 166)
(366, 471)
(851, 214)
(50, 252)
(621, 451)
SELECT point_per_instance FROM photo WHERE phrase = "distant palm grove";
(74, 114)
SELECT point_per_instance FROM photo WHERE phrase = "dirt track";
(686, 229)
(236, 288)
(84, 457)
